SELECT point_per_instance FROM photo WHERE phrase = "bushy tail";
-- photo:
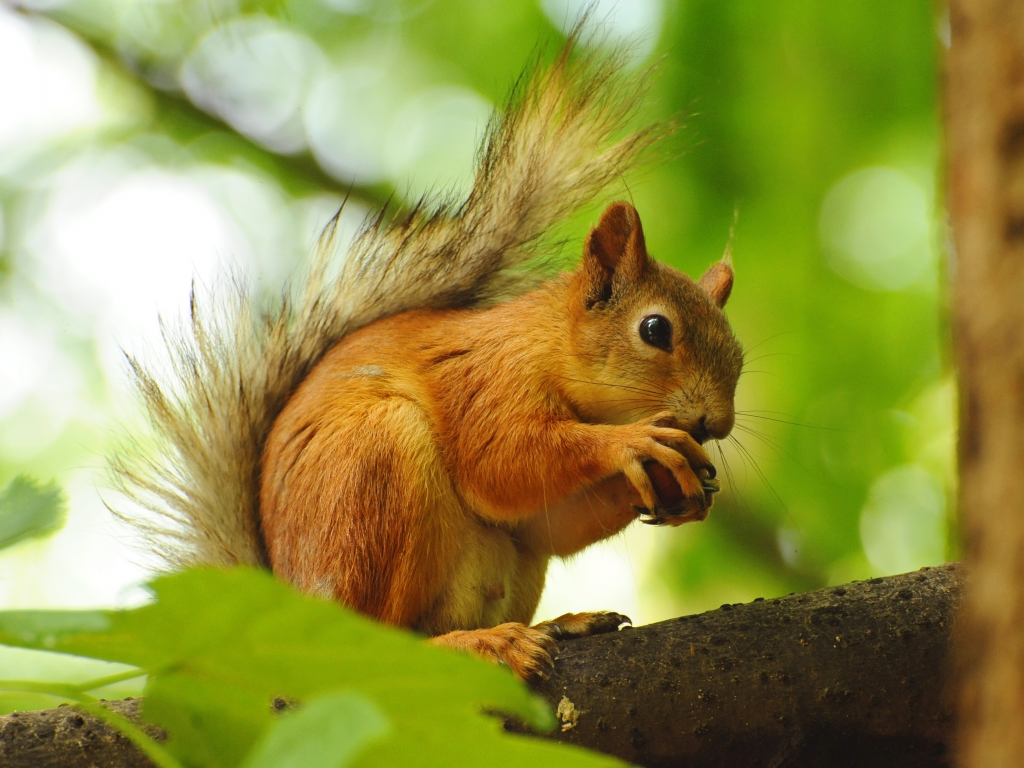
(233, 366)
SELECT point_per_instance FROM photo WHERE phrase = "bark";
(844, 676)
(985, 135)
(66, 738)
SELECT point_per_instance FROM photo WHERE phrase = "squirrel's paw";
(525, 650)
(672, 512)
(570, 625)
(689, 484)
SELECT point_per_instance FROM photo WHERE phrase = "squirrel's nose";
(700, 432)
(720, 426)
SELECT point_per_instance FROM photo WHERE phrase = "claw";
(655, 517)
(653, 520)
(649, 519)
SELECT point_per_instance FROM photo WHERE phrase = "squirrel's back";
(233, 366)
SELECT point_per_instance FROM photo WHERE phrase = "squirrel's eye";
(656, 330)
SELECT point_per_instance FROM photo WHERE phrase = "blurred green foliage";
(30, 511)
(218, 647)
(841, 463)
(789, 98)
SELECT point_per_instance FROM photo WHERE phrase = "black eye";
(656, 330)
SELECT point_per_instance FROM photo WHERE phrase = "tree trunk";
(844, 676)
(985, 135)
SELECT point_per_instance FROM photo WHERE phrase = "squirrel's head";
(646, 338)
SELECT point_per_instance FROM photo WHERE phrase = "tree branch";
(843, 676)
(67, 738)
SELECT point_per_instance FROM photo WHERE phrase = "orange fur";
(431, 464)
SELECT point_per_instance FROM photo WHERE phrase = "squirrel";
(419, 427)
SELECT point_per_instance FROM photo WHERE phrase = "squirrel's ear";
(717, 281)
(615, 251)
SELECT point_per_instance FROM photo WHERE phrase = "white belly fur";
(492, 582)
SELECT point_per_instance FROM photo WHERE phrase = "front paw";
(672, 509)
(668, 470)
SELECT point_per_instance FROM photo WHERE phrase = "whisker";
(642, 378)
(775, 336)
(770, 354)
(772, 444)
(621, 367)
(614, 386)
(764, 478)
(753, 415)
(633, 414)
(734, 486)
(621, 400)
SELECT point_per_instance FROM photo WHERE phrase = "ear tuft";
(611, 238)
(614, 254)
(717, 281)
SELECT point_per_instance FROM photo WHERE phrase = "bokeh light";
(254, 74)
(903, 523)
(147, 146)
(637, 22)
(875, 228)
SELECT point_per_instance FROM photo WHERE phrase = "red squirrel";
(415, 432)
(433, 462)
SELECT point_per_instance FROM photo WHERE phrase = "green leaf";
(326, 732)
(210, 723)
(26, 702)
(30, 511)
(219, 646)
(48, 630)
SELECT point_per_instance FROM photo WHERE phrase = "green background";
(844, 467)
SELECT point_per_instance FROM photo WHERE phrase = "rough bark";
(844, 676)
(985, 136)
(66, 738)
